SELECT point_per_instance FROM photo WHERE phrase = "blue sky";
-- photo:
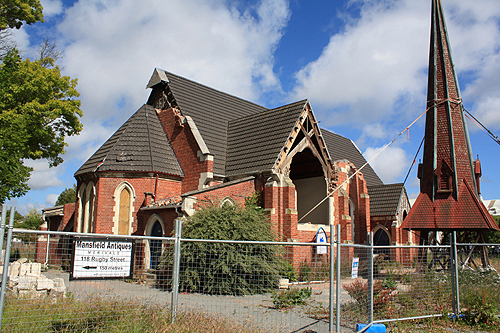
(361, 63)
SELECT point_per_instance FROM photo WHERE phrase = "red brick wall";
(237, 192)
(186, 149)
(105, 202)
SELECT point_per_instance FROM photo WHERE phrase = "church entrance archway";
(310, 185)
(154, 247)
(382, 238)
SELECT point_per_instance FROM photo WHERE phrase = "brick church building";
(191, 144)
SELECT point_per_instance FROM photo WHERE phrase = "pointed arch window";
(444, 178)
(352, 207)
(227, 201)
(124, 199)
(86, 198)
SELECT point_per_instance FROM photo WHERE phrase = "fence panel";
(270, 287)
(243, 286)
(43, 296)
(479, 281)
(407, 282)
(275, 287)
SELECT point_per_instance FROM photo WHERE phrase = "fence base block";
(376, 328)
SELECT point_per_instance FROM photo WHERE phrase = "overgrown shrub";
(223, 268)
(383, 295)
(291, 297)
(314, 271)
(479, 295)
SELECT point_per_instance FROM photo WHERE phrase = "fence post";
(6, 263)
(2, 230)
(332, 272)
(47, 252)
(370, 276)
(337, 300)
(175, 275)
(456, 300)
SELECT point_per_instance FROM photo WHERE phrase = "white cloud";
(43, 176)
(24, 207)
(51, 7)
(375, 62)
(113, 48)
(21, 38)
(390, 164)
(51, 199)
(376, 69)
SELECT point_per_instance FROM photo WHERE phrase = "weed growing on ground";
(96, 314)
(290, 297)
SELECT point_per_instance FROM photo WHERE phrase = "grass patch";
(106, 315)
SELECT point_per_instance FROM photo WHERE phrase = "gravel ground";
(255, 310)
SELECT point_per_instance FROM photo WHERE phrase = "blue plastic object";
(375, 328)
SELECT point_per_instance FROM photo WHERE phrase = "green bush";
(481, 307)
(223, 268)
(290, 297)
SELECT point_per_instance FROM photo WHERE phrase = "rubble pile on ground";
(25, 279)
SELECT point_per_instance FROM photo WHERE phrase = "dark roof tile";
(254, 142)
(211, 110)
(139, 145)
(341, 148)
(384, 199)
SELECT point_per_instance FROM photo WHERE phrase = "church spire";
(449, 178)
(447, 152)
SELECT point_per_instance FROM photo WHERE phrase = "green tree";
(38, 109)
(67, 196)
(493, 236)
(227, 269)
(13, 13)
(33, 220)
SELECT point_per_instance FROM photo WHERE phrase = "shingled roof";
(254, 142)
(341, 148)
(138, 145)
(211, 110)
(384, 199)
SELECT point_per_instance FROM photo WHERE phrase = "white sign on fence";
(96, 258)
(321, 237)
(354, 270)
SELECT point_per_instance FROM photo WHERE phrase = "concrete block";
(59, 282)
(284, 283)
(36, 268)
(24, 269)
(14, 269)
(26, 283)
(44, 284)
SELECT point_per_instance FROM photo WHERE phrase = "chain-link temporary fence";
(479, 281)
(72, 282)
(391, 283)
(81, 282)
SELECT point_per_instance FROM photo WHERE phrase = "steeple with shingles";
(449, 178)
